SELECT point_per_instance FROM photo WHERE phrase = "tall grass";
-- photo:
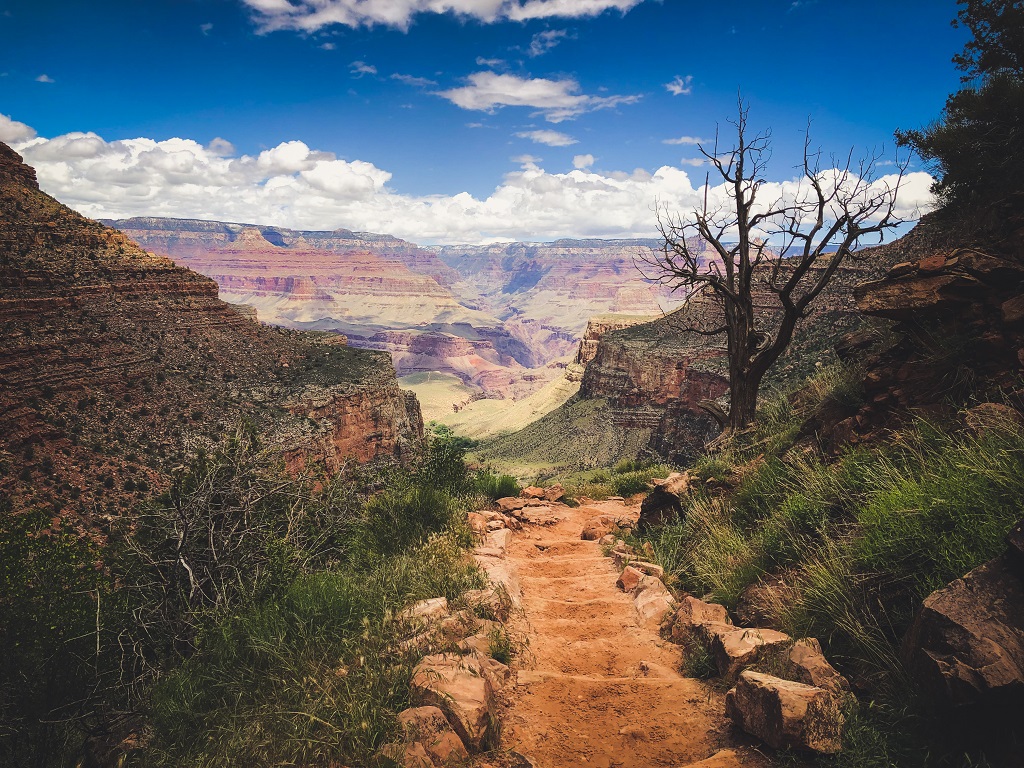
(852, 545)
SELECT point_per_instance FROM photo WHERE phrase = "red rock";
(652, 599)
(532, 492)
(429, 727)
(737, 648)
(629, 579)
(930, 265)
(692, 614)
(459, 687)
(784, 713)
(510, 504)
(805, 663)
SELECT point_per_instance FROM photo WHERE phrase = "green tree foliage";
(977, 146)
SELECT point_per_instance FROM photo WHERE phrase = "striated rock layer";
(115, 362)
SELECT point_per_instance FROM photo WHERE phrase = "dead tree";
(788, 249)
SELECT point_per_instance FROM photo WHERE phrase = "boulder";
(692, 614)
(649, 568)
(992, 416)
(806, 663)
(408, 755)
(532, 492)
(554, 493)
(502, 575)
(607, 540)
(664, 502)
(461, 688)
(652, 599)
(595, 529)
(783, 713)
(735, 648)
(478, 523)
(491, 603)
(510, 504)
(429, 727)
(496, 542)
(629, 579)
(966, 644)
(425, 611)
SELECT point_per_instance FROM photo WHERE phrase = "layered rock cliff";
(115, 362)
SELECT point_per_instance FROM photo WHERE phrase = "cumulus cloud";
(687, 140)
(13, 132)
(360, 68)
(420, 82)
(45, 79)
(543, 42)
(557, 100)
(311, 15)
(549, 137)
(582, 162)
(295, 185)
(680, 86)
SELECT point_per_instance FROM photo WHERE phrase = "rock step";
(534, 676)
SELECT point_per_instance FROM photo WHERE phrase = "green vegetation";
(496, 486)
(975, 148)
(244, 617)
(846, 549)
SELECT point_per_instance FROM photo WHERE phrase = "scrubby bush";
(496, 486)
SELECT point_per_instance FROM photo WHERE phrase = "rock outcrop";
(116, 362)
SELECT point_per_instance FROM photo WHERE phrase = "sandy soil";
(595, 686)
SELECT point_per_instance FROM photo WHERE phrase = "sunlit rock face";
(117, 362)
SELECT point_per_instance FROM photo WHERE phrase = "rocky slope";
(116, 362)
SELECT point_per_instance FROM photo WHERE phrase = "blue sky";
(429, 110)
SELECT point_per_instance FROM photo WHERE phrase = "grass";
(496, 486)
(852, 545)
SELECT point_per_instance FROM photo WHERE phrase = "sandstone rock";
(992, 416)
(496, 542)
(806, 663)
(503, 575)
(724, 758)
(510, 504)
(629, 579)
(621, 559)
(408, 755)
(652, 600)
(693, 613)
(429, 727)
(736, 648)
(596, 528)
(532, 492)
(1013, 310)
(554, 493)
(664, 502)
(478, 523)
(900, 299)
(425, 611)
(607, 540)
(651, 569)
(460, 687)
(490, 602)
(966, 645)
(784, 713)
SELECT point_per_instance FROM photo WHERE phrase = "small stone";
(649, 568)
(629, 579)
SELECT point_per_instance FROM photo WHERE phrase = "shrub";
(496, 486)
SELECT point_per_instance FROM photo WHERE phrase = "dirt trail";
(596, 687)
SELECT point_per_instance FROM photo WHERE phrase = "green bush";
(496, 486)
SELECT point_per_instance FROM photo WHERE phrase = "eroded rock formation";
(114, 362)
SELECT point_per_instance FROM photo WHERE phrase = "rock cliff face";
(115, 362)
(654, 375)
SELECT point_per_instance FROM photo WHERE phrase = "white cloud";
(294, 185)
(549, 137)
(582, 162)
(45, 79)
(420, 82)
(220, 147)
(328, 46)
(13, 132)
(543, 42)
(557, 100)
(492, 63)
(694, 162)
(688, 140)
(527, 161)
(205, 28)
(360, 68)
(680, 86)
(311, 15)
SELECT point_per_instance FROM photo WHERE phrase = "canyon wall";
(116, 364)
